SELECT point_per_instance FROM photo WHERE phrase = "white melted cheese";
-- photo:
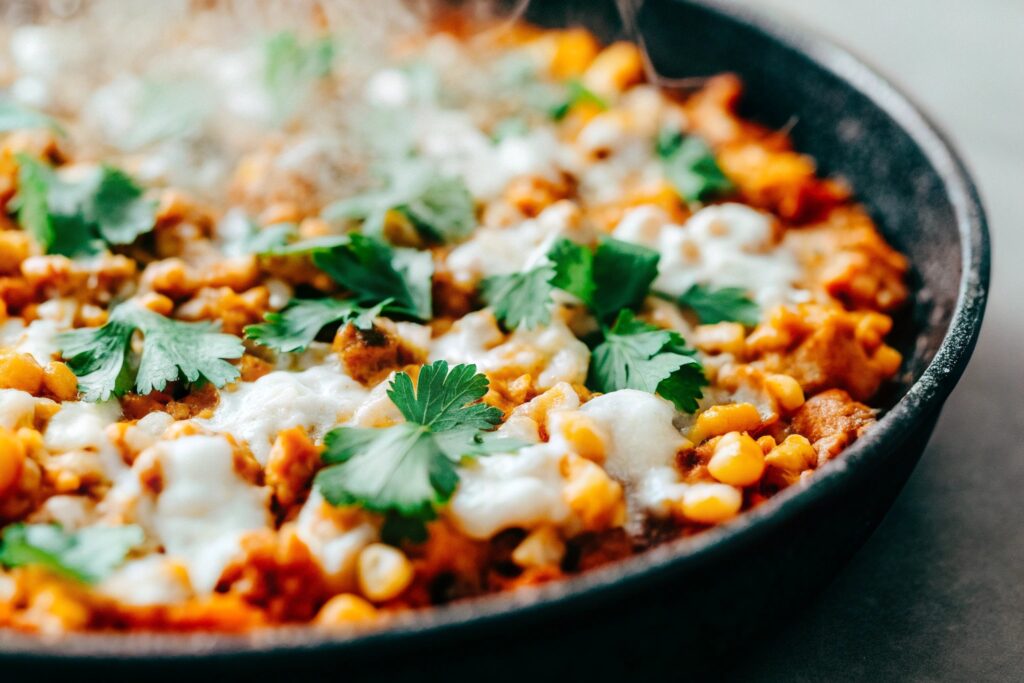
(205, 506)
(83, 426)
(553, 352)
(503, 250)
(316, 399)
(17, 408)
(335, 546)
(641, 433)
(727, 245)
(152, 580)
(522, 489)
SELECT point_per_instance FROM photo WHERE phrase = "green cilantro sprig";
(407, 470)
(690, 165)
(439, 206)
(102, 357)
(294, 327)
(635, 355)
(725, 304)
(16, 117)
(88, 555)
(291, 66)
(80, 218)
(575, 94)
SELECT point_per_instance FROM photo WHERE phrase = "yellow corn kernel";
(12, 458)
(794, 455)
(383, 572)
(574, 50)
(615, 68)
(871, 329)
(15, 247)
(20, 371)
(766, 444)
(720, 338)
(729, 417)
(737, 460)
(345, 609)
(592, 494)
(711, 503)
(584, 435)
(541, 548)
(59, 381)
(887, 360)
(786, 390)
(158, 303)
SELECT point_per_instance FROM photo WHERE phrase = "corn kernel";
(720, 338)
(786, 390)
(887, 360)
(20, 371)
(345, 609)
(730, 417)
(711, 503)
(795, 454)
(592, 494)
(584, 435)
(737, 460)
(574, 50)
(59, 381)
(12, 458)
(383, 572)
(615, 68)
(766, 444)
(541, 548)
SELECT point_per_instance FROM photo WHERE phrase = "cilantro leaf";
(442, 398)
(76, 218)
(623, 273)
(374, 271)
(87, 555)
(16, 117)
(691, 167)
(574, 269)
(297, 324)
(521, 299)
(576, 93)
(171, 349)
(725, 304)
(407, 470)
(440, 207)
(635, 355)
(290, 67)
(272, 239)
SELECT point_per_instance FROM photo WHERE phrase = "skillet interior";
(856, 125)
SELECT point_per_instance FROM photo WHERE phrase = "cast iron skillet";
(684, 606)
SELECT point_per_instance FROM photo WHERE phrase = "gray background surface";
(938, 592)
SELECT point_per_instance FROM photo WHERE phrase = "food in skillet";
(289, 335)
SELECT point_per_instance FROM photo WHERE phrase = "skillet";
(684, 608)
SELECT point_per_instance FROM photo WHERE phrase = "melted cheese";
(333, 543)
(641, 433)
(727, 245)
(205, 507)
(316, 399)
(82, 426)
(17, 408)
(553, 353)
(152, 580)
(501, 491)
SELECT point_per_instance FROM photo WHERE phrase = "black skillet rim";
(921, 401)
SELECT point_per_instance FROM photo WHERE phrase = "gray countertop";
(938, 592)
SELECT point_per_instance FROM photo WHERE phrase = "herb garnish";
(87, 555)
(407, 470)
(725, 304)
(691, 167)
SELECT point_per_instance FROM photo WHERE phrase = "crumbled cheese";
(204, 507)
(726, 245)
(17, 408)
(334, 544)
(503, 250)
(82, 426)
(317, 399)
(552, 354)
(152, 580)
(659, 491)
